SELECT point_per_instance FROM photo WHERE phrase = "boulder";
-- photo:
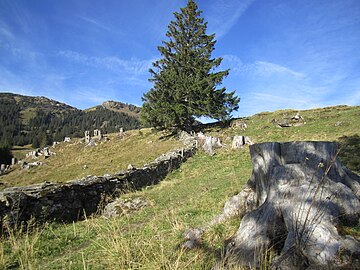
(240, 141)
(208, 143)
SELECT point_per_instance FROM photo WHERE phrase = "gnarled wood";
(303, 194)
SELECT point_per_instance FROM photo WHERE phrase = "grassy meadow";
(189, 197)
(74, 160)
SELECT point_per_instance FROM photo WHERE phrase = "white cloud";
(223, 15)
(5, 32)
(95, 23)
(132, 66)
(266, 68)
(258, 68)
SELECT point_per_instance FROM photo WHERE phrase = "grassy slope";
(189, 197)
(137, 148)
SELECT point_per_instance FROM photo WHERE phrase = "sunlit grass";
(74, 160)
(191, 196)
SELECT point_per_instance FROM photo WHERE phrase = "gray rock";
(121, 207)
(239, 141)
(208, 143)
(122, 133)
(97, 134)
(240, 124)
(87, 137)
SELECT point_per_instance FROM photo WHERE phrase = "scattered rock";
(91, 143)
(208, 143)
(294, 121)
(13, 161)
(297, 117)
(187, 138)
(240, 124)
(131, 167)
(122, 133)
(54, 144)
(339, 123)
(122, 207)
(239, 141)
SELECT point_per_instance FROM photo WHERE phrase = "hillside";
(189, 197)
(74, 160)
(118, 107)
(39, 120)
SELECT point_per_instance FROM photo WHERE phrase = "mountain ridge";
(32, 119)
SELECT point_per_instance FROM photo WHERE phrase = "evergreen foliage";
(47, 125)
(5, 154)
(186, 77)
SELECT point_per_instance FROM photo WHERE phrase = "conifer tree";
(185, 78)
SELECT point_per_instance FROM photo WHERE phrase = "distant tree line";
(46, 126)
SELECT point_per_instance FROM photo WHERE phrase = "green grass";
(189, 197)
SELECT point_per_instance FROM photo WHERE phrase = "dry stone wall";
(73, 200)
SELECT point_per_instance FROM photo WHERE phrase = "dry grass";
(74, 160)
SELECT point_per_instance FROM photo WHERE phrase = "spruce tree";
(185, 78)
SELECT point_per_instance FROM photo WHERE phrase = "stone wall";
(67, 202)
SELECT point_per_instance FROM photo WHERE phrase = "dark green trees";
(185, 78)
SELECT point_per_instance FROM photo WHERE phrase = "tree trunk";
(302, 195)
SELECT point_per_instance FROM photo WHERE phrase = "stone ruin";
(54, 144)
(297, 198)
(46, 152)
(97, 134)
(27, 165)
(122, 133)
(34, 154)
(40, 152)
(239, 141)
(74, 200)
(3, 168)
(90, 141)
(208, 143)
(87, 137)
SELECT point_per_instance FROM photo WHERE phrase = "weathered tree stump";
(303, 194)
(297, 198)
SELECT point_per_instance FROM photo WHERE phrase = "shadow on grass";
(350, 152)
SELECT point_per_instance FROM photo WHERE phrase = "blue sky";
(282, 53)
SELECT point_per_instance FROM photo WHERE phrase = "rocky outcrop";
(298, 196)
(76, 199)
(294, 121)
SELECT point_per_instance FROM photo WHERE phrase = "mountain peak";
(122, 107)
